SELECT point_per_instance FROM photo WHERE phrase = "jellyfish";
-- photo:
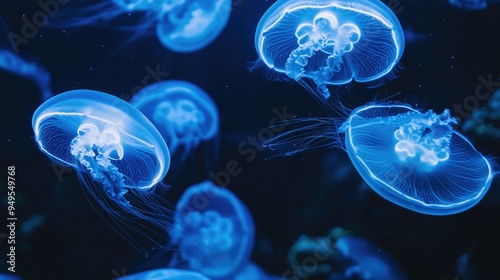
(329, 42)
(469, 4)
(369, 261)
(119, 156)
(339, 256)
(414, 159)
(181, 25)
(213, 230)
(184, 114)
(484, 121)
(193, 24)
(164, 274)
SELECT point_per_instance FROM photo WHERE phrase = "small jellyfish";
(329, 42)
(213, 230)
(165, 274)
(369, 261)
(118, 154)
(192, 24)
(184, 114)
(338, 256)
(415, 160)
(181, 25)
(473, 5)
(484, 122)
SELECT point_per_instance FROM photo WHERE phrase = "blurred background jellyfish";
(415, 160)
(340, 256)
(484, 122)
(213, 230)
(329, 42)
(181, 25)
(192, 24)
(185, 115)
(469, 4)
(118, 154)
(165, 274)
(369, 262)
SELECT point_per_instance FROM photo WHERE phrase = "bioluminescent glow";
(415, 160)
(370, 261)
(213, 230)
(165, 274)
(181, 26)
(184, 114)
(193, 24)
(329, 42)
(469, 4)
(118, 154)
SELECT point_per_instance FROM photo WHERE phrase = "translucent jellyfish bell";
(193, 24)
(118, 154)
(181, 25)
(184, 114)
(416, 160)
(165, 274)
(214, 231)
(330, 42)
(370, 262)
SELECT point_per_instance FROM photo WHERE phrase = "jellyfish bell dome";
(416, 160)
(97, 130)
(214, 231)
(191, 25)
(330, 42)
(164, 274)
(181, 111)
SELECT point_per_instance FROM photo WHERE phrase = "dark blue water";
(447, 51)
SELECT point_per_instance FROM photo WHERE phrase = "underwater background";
(449, 52)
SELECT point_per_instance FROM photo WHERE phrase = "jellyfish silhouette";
(180, 25)
(415, 160)
(165, 274)
(473, 5)
(213, 230)
(193, 24)
(118, 154)
(329, 42)
(184, 114)
(369, 261)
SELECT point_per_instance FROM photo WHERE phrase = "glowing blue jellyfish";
(213, 230)
(416, 160)
(165, 274)
(118, 154)
(470, 4)
(181, 25)
(484, 122)
(330, 42)
(184, 114)
(370, 262)
(13, 63)
(193, 24)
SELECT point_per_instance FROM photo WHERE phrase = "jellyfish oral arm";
(427, 136)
